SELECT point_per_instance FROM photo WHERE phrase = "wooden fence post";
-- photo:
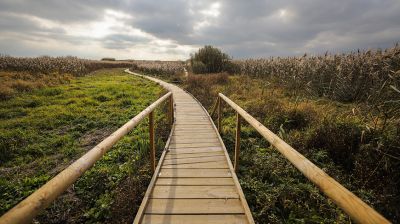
(237, 142)
(171, 111)
(152, 147)
(219, 115)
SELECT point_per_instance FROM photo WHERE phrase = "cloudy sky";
(172, 29)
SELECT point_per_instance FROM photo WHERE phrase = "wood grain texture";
(195, 181)
(174, 191)
(194, 206)
(194, 219)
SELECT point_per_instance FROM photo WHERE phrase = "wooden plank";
(195, 135)
(195, 173)
(195, 181)
(187, 120)
(193, 132)
(187, 116)
(194, 219)
(190, 113)
(194, 206)
(194, 160)
(212, 165)
(184, 150)
(197, 142)
(194, 192)
(193, 126)
(194, 144)
(189, 139)
(193, 123)
(192, 155)
(202, 118)
(186, 158)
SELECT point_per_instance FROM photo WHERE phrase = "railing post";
(237, 142)
(171, 111)
(219, 114)
(152, 147)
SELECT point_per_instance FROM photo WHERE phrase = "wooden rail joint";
(26, 210)
(350, 203)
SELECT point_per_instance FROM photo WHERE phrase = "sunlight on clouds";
(112, 20)
(283, 15)
(207, 16)
(213, 10)
(89, 39)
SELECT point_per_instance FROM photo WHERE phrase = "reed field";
(160, 68)
(371, 76)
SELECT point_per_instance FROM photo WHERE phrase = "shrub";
(209, 60)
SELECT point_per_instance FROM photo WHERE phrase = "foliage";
(42, 131)
(209, 60)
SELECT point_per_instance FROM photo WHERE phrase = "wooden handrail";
(26, 210)
(350, 203)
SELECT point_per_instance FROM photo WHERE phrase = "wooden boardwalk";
(194, 181)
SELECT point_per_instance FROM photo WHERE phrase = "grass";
(44, 130)
(353, 145)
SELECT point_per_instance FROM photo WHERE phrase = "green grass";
(43, 131)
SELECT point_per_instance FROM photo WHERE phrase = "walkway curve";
(194, 181)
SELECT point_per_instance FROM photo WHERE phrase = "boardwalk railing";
(25, 211)
(350, 203)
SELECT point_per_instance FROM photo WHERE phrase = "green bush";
(209, 60)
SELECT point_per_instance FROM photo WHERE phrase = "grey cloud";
(243, 28)
(60, 10)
